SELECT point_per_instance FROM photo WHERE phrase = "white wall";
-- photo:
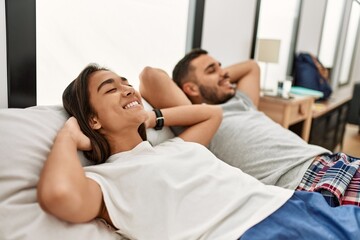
(3, 66)
(136, 35)
(123, 35)
(228, 29)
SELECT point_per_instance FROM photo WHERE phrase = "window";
(330, 32)
(278, 20)
(350, 44)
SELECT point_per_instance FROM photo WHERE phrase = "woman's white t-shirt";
(180, 190)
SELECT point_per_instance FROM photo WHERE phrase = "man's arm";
(246, 75)
(201, 121)
(160, 90)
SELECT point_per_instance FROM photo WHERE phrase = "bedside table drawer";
(299, 111)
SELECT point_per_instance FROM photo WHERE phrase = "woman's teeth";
(130, 105)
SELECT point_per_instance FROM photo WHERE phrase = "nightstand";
(287, 112)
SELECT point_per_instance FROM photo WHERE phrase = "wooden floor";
(352, 141)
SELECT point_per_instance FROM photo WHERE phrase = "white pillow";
(26, 136)
(157, 136)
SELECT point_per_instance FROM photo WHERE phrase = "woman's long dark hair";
(76, 101)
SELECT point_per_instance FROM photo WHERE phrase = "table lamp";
(268, 52)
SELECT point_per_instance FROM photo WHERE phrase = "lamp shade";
(268, 50)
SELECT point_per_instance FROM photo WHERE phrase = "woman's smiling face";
(116, 103)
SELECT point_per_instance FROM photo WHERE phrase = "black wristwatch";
(159, 119)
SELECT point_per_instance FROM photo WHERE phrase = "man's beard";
(211, 96)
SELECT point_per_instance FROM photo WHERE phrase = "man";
(247, 138)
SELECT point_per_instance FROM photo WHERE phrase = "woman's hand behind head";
(81, 140)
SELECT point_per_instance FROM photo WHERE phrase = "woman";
(175, 190)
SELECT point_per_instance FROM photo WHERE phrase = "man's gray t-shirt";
(249, 140)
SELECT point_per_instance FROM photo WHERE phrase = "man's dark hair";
(182, 68)
(76, 101)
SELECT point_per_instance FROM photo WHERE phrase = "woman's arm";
(160, 90)
(201, 120)
(63, 188)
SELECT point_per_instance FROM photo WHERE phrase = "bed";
(26, 136)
